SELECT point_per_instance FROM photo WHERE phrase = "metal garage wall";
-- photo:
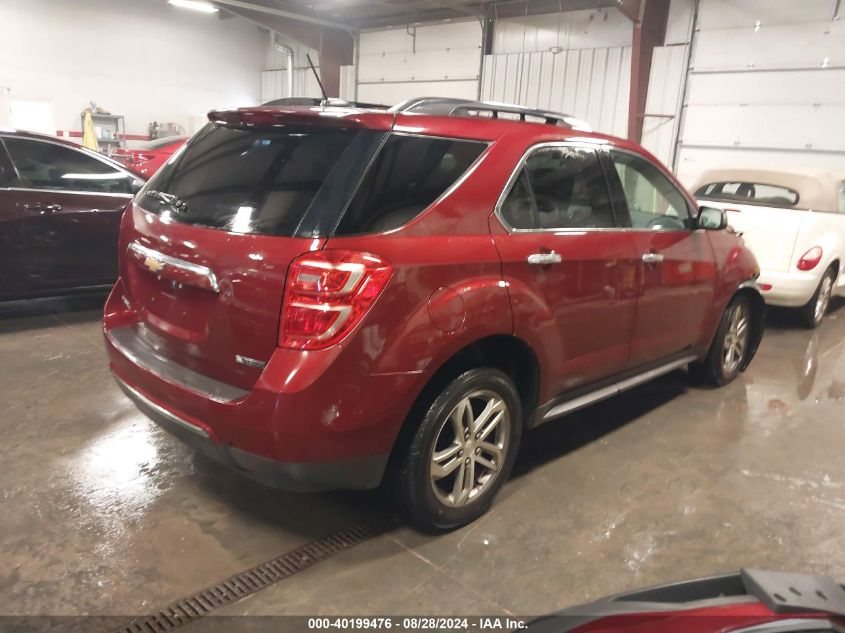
(439, 59)
(593, 84)
(274, 79)
(274, 84)
(577, 62)
(765, 87)
(665, 93)
(601, 28)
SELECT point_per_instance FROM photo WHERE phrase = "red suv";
(322, 297)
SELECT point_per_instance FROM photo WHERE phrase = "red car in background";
(60, 208)
(325, 297)
(752, 601)
(146, 158)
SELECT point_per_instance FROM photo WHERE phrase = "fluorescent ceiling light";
(196, 5)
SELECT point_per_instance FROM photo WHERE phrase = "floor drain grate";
(253, 580)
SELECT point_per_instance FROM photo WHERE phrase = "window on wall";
(653, 201)
(42, 165)
(559, 188)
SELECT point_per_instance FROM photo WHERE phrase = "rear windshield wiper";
(180, 206)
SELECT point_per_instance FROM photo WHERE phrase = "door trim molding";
(561, 407)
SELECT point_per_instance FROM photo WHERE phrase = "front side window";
(653, 201)
(409, 175)
(51, 166)
(749, 193)
(559, 188)
(842, 197)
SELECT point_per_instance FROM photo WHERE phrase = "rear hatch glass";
(246, 181)
(230, 208)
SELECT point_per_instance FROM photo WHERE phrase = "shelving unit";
(115, 125)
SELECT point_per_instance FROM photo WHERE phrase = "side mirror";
(712, 219)
(136, 185)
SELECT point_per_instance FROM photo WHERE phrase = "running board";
(616, 388)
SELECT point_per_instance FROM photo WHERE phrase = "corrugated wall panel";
(665, 87)
(590, 83)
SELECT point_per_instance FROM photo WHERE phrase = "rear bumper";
(310, 422)
(357, 474)
(792, 289)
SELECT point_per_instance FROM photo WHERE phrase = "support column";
(650, 18)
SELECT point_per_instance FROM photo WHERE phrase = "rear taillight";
(327, 293)
(810, 259)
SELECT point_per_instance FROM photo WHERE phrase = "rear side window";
(248, 181)
(749, 193)
(42, 165)
(559, 188)
(408, 175)
(842, 197)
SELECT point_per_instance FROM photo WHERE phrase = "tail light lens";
(327, 294)
(810, 259)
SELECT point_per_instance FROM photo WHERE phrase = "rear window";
(248, 181)
(749, 193)
(409, 174)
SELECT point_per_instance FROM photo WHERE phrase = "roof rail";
(444, 106)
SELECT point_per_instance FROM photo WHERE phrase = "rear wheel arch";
(505, 352)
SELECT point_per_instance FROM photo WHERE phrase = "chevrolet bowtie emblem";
(154, 265)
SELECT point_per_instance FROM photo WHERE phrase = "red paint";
(146, 162)
(810, 259)
(55, 241)
(457, 276)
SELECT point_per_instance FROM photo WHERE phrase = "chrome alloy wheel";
(824, 297)
(736, 340)
(470, 448)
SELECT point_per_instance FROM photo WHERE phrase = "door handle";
(544, 259)
(652, 258)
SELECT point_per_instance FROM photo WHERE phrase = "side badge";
(249, 362)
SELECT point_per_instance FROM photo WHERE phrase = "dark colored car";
(60, 207)
(146, 158)
(321, 297)
(752, 601)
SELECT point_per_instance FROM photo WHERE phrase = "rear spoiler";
(279, 117)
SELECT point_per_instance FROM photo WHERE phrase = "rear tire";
(730, 348)
(462, 452)
(813, 313)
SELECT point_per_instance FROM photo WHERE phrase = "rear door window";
(249, 180)
(559, 188)
(408, 176)
(51, 166)
(749, 193)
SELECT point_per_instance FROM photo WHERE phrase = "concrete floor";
(103, 513)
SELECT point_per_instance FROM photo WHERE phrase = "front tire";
(462, 452)
(730, 348)
(813, 313)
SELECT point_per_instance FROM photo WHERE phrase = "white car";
(794, 223)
